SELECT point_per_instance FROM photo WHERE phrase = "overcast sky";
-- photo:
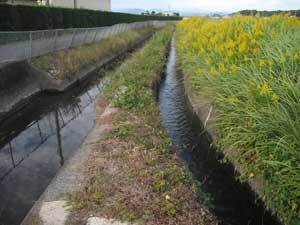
(211, 5)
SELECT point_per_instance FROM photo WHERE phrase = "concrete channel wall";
(24, 45)
(20, 81)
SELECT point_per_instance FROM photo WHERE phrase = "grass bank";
(134, 175)
(65, 64)
(248, 69)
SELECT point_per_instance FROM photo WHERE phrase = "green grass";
(65, 64)
(150, 184)
(258, 132)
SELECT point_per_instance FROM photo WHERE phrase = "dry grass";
(133, 179)
(66, 64)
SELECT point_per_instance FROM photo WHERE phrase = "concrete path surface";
(102, 221)
(54, 213)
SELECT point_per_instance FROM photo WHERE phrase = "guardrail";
(24, 45)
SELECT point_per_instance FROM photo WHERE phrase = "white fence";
(24, 45)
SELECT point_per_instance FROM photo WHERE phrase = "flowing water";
(232, 202)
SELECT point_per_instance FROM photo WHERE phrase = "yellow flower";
(200, 72)
(222, 68)
(275, 98)
(207, 61)
(282, 59)
(202, 50)
(233, 100)
(230, 53)
(246, 59)
(258, 32)
(265, 89)
(243, 47)
(234, 68)
(229, 44)
(261, 63)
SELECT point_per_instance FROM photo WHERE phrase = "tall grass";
(249, 67)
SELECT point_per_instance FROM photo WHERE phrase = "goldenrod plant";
(248, 68)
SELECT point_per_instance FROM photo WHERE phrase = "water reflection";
(31, 155)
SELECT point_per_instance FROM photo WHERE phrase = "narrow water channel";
(232, 202)
(35, 145)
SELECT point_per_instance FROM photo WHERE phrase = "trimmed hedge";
(22, 18)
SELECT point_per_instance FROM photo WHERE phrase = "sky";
(206, 5)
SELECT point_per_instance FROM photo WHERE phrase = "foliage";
(249, 68)
(23, 17)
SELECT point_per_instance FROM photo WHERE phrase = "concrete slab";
(103, 221)
(54, 213)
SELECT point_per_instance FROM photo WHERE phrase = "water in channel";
(35, 145)
(232, 202)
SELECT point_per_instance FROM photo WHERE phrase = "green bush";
(22, 18)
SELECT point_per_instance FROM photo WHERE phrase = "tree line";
(268, 13)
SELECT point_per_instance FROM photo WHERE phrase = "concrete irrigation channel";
(38, 141)
(41, 133)
(232, 202)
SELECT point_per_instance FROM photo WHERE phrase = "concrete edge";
(49, 85)
(70, 177)
(206, 114)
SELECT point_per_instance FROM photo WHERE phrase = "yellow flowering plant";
(248, 67)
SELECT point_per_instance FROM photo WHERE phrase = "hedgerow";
(23, 17)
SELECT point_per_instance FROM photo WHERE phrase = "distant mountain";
(203, 13)
(182, 12)
(268, 13)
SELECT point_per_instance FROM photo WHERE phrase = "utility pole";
(75, 4)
